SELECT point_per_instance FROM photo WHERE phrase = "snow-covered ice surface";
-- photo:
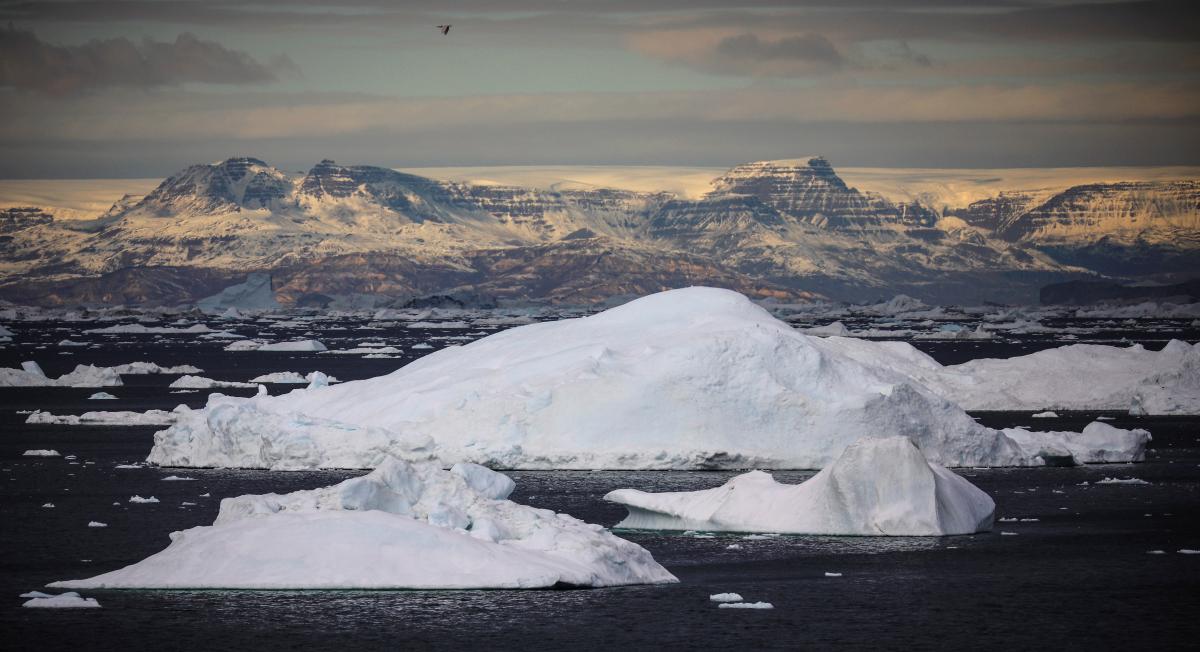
(401, 526)
(684, 379)
(877, 487)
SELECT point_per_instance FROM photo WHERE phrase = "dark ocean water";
(1080, 576)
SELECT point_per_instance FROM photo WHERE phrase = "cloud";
(811, 49)
(30, 64)
(185, 117)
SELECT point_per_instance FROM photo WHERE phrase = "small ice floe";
(421, 346)
(1029, 520)
(1121, 481)
(725, 597)
(176, 478)
(101, 396)
(187, 504)
(69, 600)
(1156, 552)
(1105, 418)
(289, 378)
(1008, 534)
(129, 466)
(71, 343)
(42, 452)
(734, 546)
(201, 382)
(48, 506)
(138, 499)
(1048, 414)
(1008, 519)
(1188, 551)
(205, 495)
(97, 524)
(745, 605)
(828, 574)
(101, 418)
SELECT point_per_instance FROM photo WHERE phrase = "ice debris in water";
(42, 452)
(725, 597)
(746, 605)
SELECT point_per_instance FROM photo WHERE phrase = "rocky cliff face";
(772, 228)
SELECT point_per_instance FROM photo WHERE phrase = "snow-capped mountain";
(783, 229)
(1111, 227)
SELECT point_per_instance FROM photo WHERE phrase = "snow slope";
(876, 487)
(685, 379)
(401, 526)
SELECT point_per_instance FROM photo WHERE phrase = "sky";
(141, 88)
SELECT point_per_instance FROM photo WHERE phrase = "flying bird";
(445, 29)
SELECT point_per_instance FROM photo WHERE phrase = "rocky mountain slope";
(783, 229)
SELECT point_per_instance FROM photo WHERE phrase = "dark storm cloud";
(28, 63)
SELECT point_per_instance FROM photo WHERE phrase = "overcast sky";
(145, 87)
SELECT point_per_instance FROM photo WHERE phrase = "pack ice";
(684, 379)
(876, 487)
(404, 525)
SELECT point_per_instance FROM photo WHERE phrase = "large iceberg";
(1072, 377)
(685, 379)
(403, 526)
(876, 487)
(31, 375)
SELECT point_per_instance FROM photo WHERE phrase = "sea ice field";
(1077, 556)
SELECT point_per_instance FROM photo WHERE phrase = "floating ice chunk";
(200, 382)
(734, 546)
(69, 600)
(745, 605)
(1122, 481)
(101, 396)
(421, 346)
(299, 345)
(31, 375)
(99, 418)
(438, 324)
(1009, 534)
(877, 487)
(143, 368)
(142, 329)
(176, 478)
(400, 526)
(1049, 414)
(725, 597)
(1097, 443)
(828, 574)
(139, 499)
(48, 506)
(290, 378)
(1188, 551)
(130, 466)
(42, 452)
(98, 523)
(1156, 552)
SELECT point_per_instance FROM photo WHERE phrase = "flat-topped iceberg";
(693, 378)
(403, 526)
(877, 487)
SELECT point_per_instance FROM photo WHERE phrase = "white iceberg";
(200, 382)
(31, 375)
(102, 396)
(684, 379)
(70, 600)
(101, 418)
(290, 378)
(296, 346)
(404, 525)
(42, 452)
(255, 293)
(140, 368)
(878, 487)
